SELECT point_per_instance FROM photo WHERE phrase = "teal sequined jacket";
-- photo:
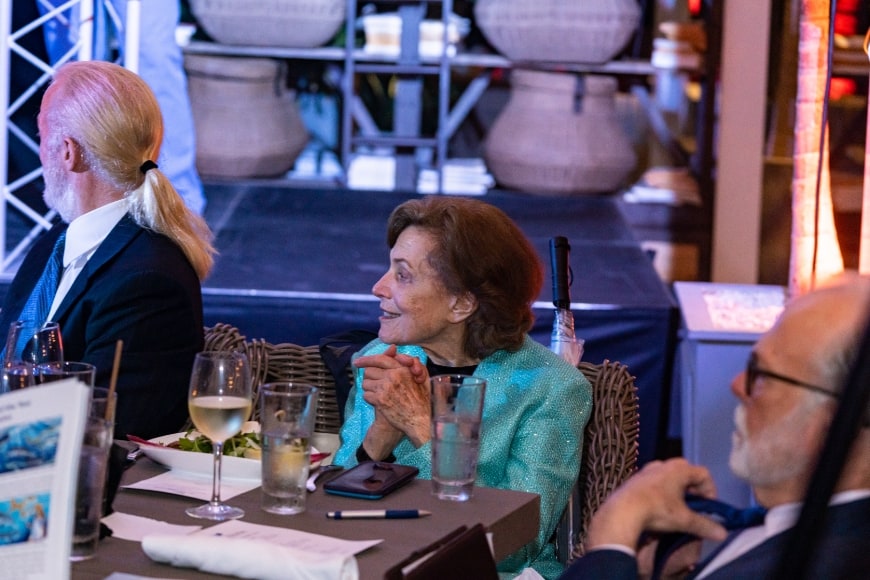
(535, 410)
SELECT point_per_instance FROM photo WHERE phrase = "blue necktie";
(36, 309)
(728, 516)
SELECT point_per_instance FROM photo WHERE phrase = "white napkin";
(247, 558)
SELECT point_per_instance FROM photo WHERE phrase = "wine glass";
(45, 345)
(13, 336)
(16, 375)
(219, 401)
(41, 349)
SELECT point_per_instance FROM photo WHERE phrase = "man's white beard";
(59, 194)
(772, 455)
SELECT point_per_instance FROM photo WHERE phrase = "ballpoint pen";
(377, 514)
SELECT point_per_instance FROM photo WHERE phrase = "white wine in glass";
(219, 401)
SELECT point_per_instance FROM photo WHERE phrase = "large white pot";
(247, 123)
(559, 134)
(285, 23)
(587, 31)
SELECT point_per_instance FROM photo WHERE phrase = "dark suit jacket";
(138, 287)
(843, 554)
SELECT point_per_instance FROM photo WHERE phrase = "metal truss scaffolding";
(91, 30)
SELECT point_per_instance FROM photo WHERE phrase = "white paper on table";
(193, 486)
(303, 541)
(134, 528)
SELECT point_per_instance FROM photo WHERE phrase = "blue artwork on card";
(29, 445)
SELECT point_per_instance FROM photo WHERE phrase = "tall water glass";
(219, 401)
(287, 414)
(457, 408)
(57, 371)
(93, 473)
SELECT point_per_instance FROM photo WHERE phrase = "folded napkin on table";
(247, 558)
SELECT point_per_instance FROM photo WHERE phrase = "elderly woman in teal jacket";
(457, 298)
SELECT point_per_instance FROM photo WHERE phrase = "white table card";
(41, 430)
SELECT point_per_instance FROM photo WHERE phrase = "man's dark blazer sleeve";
(600, 564)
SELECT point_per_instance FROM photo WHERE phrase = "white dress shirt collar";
(83, 236)
(87, 231)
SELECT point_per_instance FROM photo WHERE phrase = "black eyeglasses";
(753, 372)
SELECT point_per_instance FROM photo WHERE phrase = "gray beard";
(60, 197)
(770, 456)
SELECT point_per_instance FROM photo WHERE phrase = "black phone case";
(371, 480)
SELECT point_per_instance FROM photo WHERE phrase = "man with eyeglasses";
(787, 398)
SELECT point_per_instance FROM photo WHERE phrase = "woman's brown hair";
(479, 249)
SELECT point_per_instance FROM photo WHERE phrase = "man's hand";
(652, 500)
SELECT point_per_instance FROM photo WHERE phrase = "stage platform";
(297, 264)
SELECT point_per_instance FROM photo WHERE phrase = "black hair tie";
(148, 164)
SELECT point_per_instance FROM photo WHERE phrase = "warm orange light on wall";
(864, 248)
(815, 249)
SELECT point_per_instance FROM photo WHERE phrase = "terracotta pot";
(285, 23)
(588, 31)
(247, 123)
(559, 134)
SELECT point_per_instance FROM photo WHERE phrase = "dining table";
(511, 517)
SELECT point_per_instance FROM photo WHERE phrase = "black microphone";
(559, 250)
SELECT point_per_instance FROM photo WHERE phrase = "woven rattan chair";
(281, 362)
(292, 362)
(227, 338)
(223, 337)
(610, 448)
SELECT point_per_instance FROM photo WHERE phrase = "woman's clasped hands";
(397, 386)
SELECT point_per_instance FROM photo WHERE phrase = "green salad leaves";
(245, 445)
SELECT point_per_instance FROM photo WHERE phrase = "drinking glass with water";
(457, 408)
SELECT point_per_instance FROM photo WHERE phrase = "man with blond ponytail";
(133, 254)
